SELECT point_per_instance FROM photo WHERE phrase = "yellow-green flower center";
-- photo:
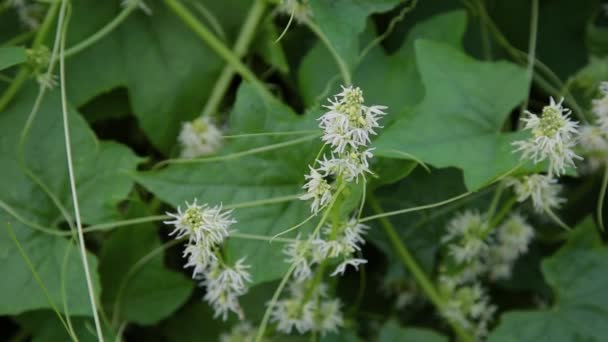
(551, 122)
(351, 104)
(193, 217)
(199, 126)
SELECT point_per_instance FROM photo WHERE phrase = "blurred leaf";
(420, 231)
(392, 332)
(262, 176)
(168, 71)
(152, 292)
(388, 79)
(578, 274)
(102, 182)
(10, 56)
(193, 322)
(44, 326)
(343, 20)
(465, 106)
(561, 30)
(268, 48)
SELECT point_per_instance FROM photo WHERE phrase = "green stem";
(410, 263)
(506, 209)
(216, 45)
(344, 70)
(19, 39)
(107, 29)
(495, 199)
(409, 210)
(262, 329)
(23, 73)
(240, 48)
(240, 154)
(531, 51)
(600, 201)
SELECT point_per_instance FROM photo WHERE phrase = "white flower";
(594, 143)
(240, 332)
(329, 317)
(466, 234)
(341, 268)
(299, 253)
(543, 189)
(516, 234)
(350, 166)
(203, 224)
(30, 14)
(593, 139)
(513, 238)
(224, 286)
(199, 137)
(299, 8)
(139, 3)
(600, 107)
(318, 189)
(468, 306)
(200, 257)
(553, 138)
(291, 313)
(349, 123)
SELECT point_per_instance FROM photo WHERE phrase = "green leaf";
(151, 292)
(10, 56)
(392, 332)
(168, 71)
(262, 176)
(102, 182)
(343, 20)
(465, 106)
(387, 79)
(192, 322)
(19, 292)
(44, 326)
(578, 275)
(420, 231)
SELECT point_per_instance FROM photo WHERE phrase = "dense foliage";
(287, 170)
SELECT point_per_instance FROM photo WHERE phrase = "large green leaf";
(44, 326)
(388, 79)
(459, 121)
(10, 56)
(578, 274)
(102, 182)
(168, 70)
(258, 177)
(150, 291)
(343, 20)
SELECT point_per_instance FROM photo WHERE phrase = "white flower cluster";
(347, 127)
(542, 189)
(300, 9)
(199, 137)
(341, 244)
(553, 138)
(512, 240)
(30, 14)
(466, 235)
(307, 309)
(240, 332)
(474, 250)
(594, 137)
(468, 306)
(206, 228)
